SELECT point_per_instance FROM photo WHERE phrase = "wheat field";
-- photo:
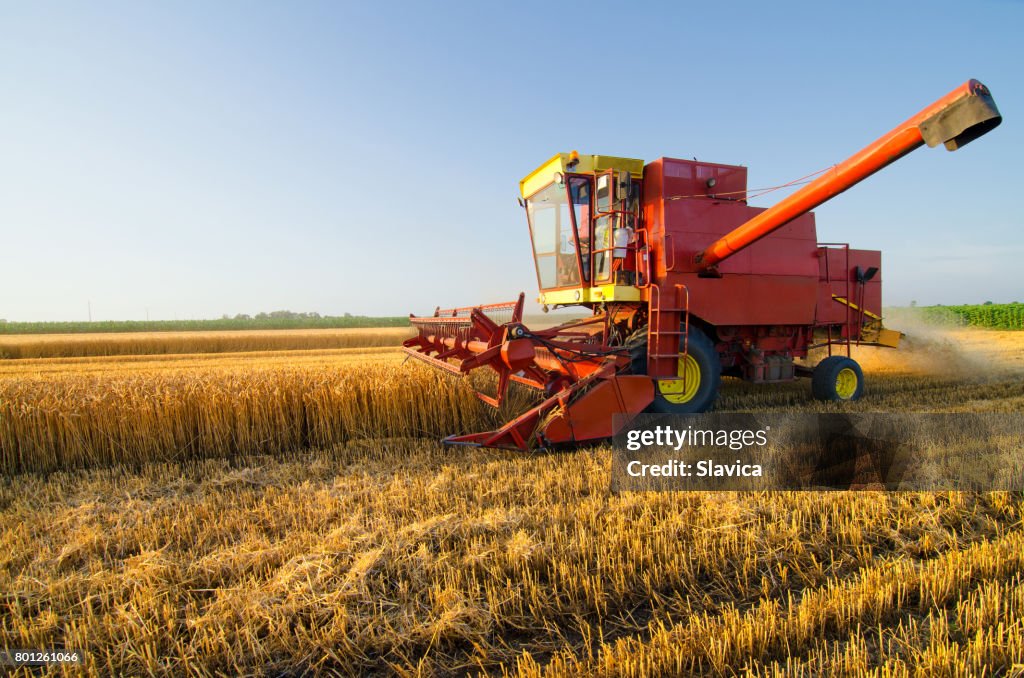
(16, 346)
(292, 514)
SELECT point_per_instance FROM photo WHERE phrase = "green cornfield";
(993, 316)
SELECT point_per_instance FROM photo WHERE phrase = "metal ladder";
(665, 325)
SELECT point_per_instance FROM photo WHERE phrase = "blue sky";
(193, 159)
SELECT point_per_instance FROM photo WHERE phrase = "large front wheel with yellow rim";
(699, 374)
(837, 378)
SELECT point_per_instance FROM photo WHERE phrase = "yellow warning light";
(574, 159)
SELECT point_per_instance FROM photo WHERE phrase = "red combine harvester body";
(686, 282)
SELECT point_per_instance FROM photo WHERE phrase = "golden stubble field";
(19, 346)
(289, 513)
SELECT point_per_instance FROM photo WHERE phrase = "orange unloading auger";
(955, 120)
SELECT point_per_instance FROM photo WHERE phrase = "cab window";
(579, 192)
(554, 239)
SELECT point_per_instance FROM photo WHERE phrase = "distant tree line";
(274, 320)
(281, 315)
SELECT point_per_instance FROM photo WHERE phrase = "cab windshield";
(553, 230)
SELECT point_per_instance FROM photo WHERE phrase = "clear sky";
(200, 158)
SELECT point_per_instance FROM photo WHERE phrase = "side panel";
(836, 273)
(690, 178)
(694, 224)
(773, 282)
(751, 299)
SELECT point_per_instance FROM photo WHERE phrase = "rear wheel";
(837, 378)
(701, 368)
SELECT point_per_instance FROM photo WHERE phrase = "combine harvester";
(686, 282)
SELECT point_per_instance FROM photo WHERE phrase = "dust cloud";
(959, 352)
